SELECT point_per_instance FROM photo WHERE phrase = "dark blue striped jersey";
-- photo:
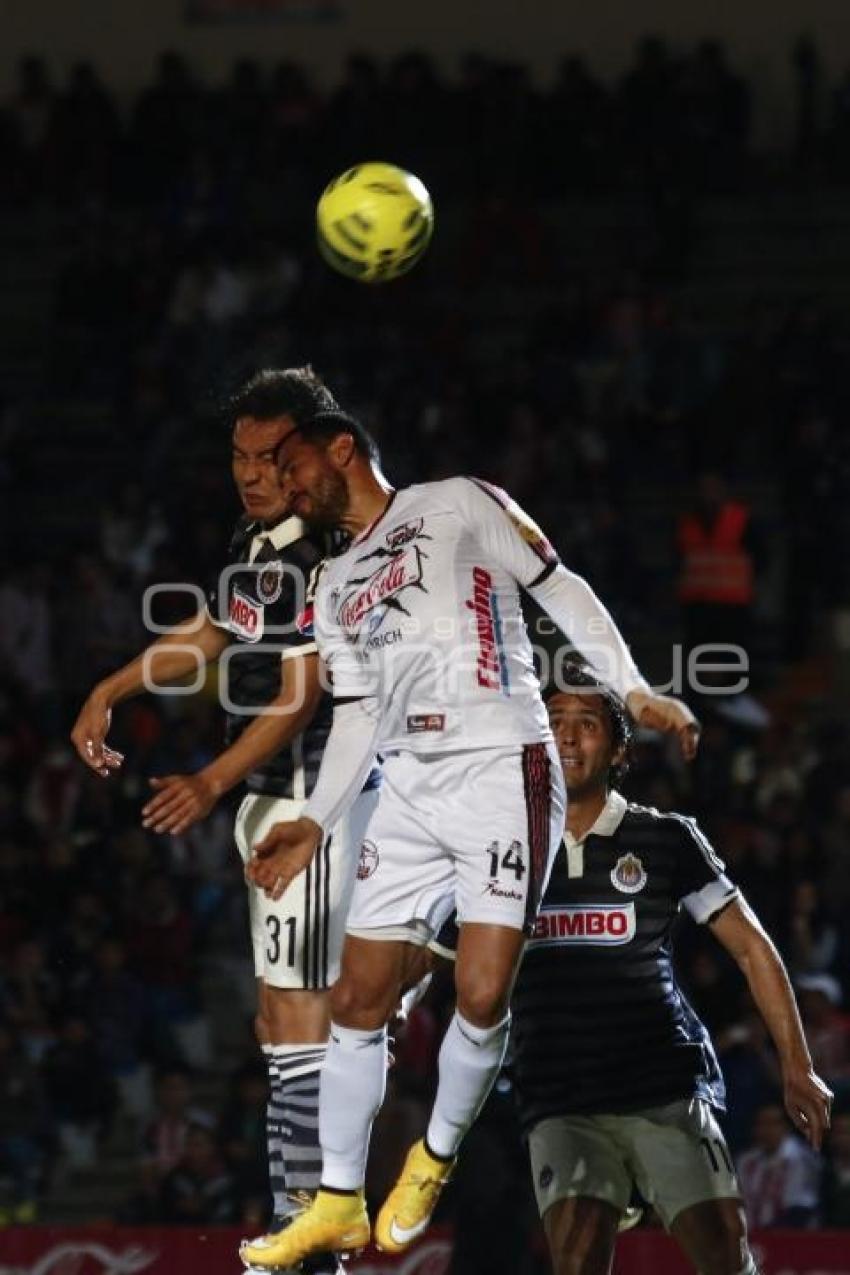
(600, 1023)
(263, 598)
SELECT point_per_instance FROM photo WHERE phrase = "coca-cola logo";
(86, 1258)
(382, 587)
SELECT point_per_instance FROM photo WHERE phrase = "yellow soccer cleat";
(409, 1206)
(332, 1224)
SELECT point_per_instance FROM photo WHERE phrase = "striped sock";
(277, 1182)
(297, 1113)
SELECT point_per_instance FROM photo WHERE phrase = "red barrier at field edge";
(110, 1250)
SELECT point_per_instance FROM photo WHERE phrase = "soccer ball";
(374, 222)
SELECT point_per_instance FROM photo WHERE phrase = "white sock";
(353, 1083)
(470, 1059)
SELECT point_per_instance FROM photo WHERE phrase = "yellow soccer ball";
(374, 222)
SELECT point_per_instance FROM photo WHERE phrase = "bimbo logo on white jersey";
(592, 924)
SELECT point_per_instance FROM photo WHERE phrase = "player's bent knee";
(483, 1003)
(359, 1004)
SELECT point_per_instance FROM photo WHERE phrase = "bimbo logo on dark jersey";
(403, 570)
(593, 924)
(246, 617)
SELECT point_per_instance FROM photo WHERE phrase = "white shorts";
(675, 1154)
(297, 940)
(476, 830)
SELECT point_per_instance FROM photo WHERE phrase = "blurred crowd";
(594, 396)
(675, 118)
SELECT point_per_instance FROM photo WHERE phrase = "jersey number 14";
(511, 860)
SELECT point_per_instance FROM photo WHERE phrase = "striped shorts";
(475, 830)
(297, 940)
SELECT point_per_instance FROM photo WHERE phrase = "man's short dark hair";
(299, 393)
(578, 679)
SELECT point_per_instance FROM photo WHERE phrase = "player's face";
(255, 456)
(314, 489)
(582, 729)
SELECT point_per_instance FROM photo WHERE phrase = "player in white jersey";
(420, 625)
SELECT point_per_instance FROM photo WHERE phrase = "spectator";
(23, 1131)
(717, 557)
(827, 1028)
(814, 938)
(242, 1134)
(80, 1091)
(836, 1183)
(198, 1191)
(778, 1174)
(116, 1008)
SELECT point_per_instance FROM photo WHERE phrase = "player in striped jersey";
(258, 624)
(617, 1079)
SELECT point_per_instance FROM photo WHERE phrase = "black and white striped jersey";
(264, 600)
(600, 1023)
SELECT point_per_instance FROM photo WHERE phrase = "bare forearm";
(281, 722)
(173, 656)
(771, 990)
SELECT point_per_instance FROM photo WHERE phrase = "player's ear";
(342, 449)
(619, 756)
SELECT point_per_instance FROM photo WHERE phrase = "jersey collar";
(607, 821)
(283, 533)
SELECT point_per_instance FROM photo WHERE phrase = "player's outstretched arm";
(348, 757)
(515, 541)
(182, 800)
(808, 1100)
(174, 655)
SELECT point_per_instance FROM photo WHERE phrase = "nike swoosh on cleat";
(406, 1234)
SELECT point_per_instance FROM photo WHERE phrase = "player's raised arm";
(808, 1100)
(520, 547)
(173, 656)
(181, 800)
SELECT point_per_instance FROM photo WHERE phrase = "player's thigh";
(502, 820)
(296, 939)
(575, 1158)
(581, 1233)
(405, 880)
(713, 1234)
(679, 1157)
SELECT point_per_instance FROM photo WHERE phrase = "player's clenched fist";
(280, 856)
(663, 712)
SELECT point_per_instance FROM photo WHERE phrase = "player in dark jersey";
(617, 1079)
(257, 623)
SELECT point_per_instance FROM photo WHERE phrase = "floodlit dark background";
(635, 306)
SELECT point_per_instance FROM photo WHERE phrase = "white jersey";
(423, 613)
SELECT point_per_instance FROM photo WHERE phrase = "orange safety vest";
(715, 566)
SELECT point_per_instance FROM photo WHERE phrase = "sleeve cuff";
(703, 905)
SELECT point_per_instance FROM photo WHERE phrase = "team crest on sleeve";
(526, 527)
(270, 582)
(628, 874)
